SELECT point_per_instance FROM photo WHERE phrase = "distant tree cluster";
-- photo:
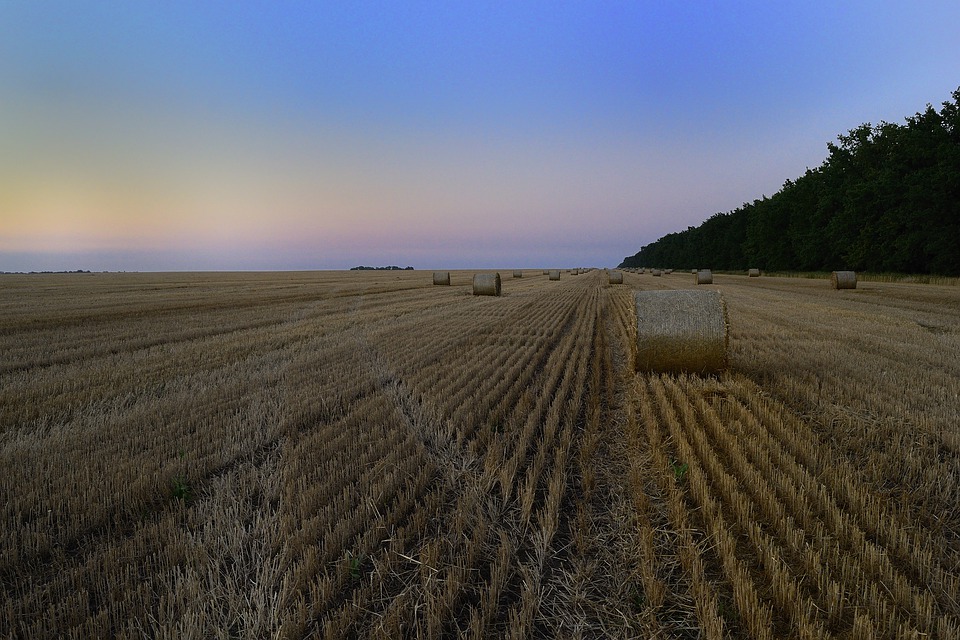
(886, 199)
(44, 272)
(390, 268)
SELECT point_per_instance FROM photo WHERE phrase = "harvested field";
(293, 455)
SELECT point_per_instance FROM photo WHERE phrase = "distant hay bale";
(555, 274)
(844, 279)
(693, 271)
(754, 273)
(486, 284)
(681, 331)
(704, 276)
(616, 277)
(546, 272)
(518, 273)
(441, 277)
(668, 270)
(656, 272)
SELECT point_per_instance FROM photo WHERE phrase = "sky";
(188, 136)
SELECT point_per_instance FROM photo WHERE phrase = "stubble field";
(364, 454)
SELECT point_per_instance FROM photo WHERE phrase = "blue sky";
(301, 135)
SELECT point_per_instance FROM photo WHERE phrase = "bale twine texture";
(616, 277)
(754, 273)
(704, 276)
(555, 274)
(844, 279)
(441, 277)
(486, 284)
(518, 274)
(681, 331)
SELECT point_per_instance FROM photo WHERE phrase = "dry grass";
(285, 455)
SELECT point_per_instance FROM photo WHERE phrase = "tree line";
(886, 199)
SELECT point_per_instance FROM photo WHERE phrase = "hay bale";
(844, 279)
(693, 271)
(517, 273)
(486, 284)
(555, 274)
(668, 270)
(753, 273)
(681, 331)
(704, 276)
(546, 272)
(656, 272)
(575, 272)
(441, 277)
(616, 277)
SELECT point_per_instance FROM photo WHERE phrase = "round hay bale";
(616, 277)
(704, 276)
(681, 331)
(555, 274)
(656, 272)
(575, 272)
(518, 273)
(546, 272)
(486, 284)
(844, 279)
(754, 273)
(693, 271)
(668, 270)
(441, 277)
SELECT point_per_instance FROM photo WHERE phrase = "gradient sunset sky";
(175, 135)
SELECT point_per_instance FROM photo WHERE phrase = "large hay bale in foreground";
(486, 284)
(844, 279)
(441, 277)
(753, 273)
(681, 331)
(555, 274)
(518, 273)
(704, 276)
(616, 277)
